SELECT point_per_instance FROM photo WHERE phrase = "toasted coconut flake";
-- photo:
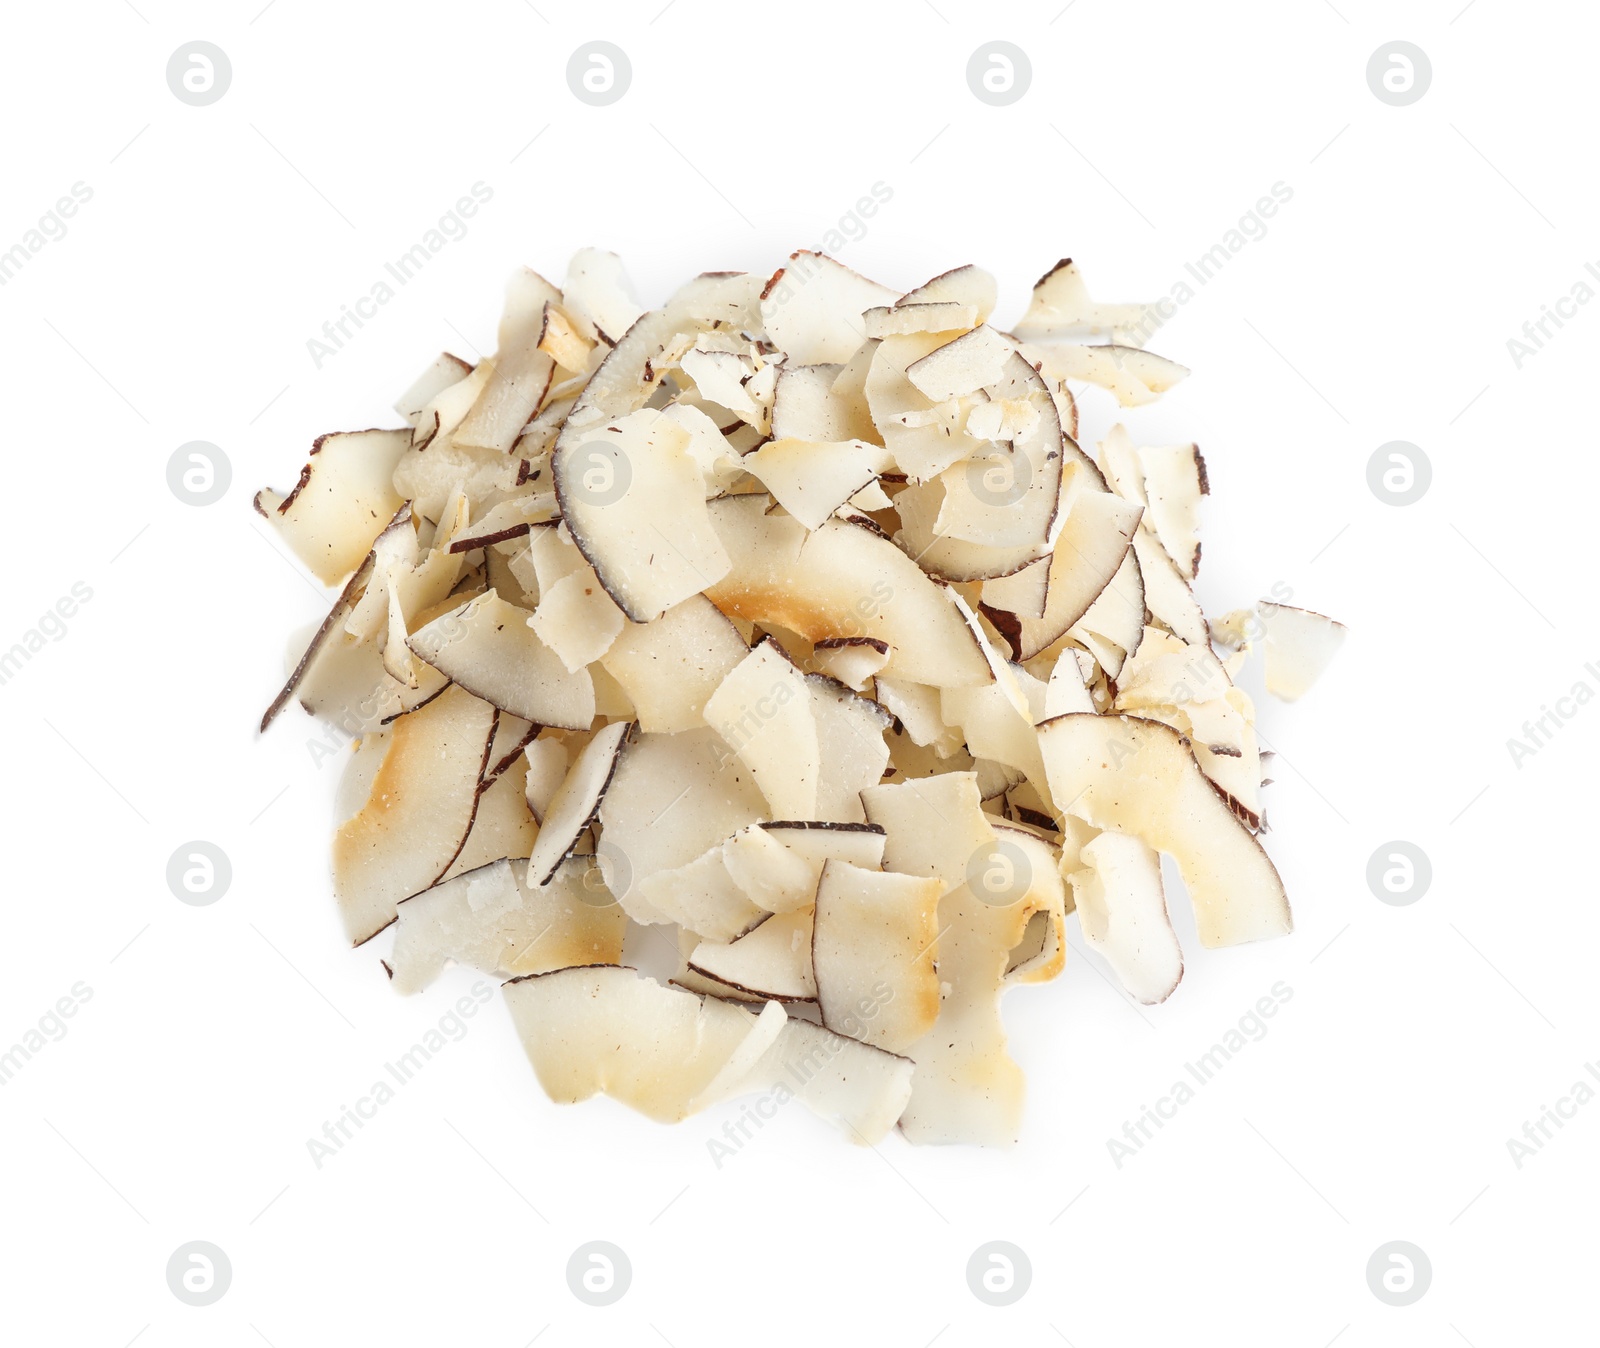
(1133, 376)
(812, 308)
(577, 620)
(606, 1030)
(1061, 309)
(809, 405)
(502, 824)
(492, 919)
(734, 1076)
(444, 372)
(1129, 775)
(1112, 626)
(1167, 595)
(962, 285)
(327, 653)
(561, 338)
(875, 939)
(674, 797)
(920, 508)
(776, 878)
(1123, 912)
(1023, 593)
(548, 761)
(488, 647)
(701, 896)
(574, 806)
(1174, 482)
(344, 500)
(841, 580)
(773, 960)
(417, 814)
(925, 436)
(860, 1088)
(506, 522)
(850, 747)
(618, 485)
(812, 479)
(1009, 495)
(764, 714)
(896, 320)
(597, 292)
(521, 372)
(1091, 547)
(671, 667)
(971, 362)
(776, 885)
(918, 709)
(934, 826)
(851, 660)
(967, 1088)
(1299, 645)
(993, 727)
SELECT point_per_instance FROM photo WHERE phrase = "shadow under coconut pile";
(788, 623)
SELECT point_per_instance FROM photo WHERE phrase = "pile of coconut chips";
(784, 635)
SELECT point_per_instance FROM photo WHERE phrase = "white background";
(219, 1039)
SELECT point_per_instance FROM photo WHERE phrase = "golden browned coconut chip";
(786, 617)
